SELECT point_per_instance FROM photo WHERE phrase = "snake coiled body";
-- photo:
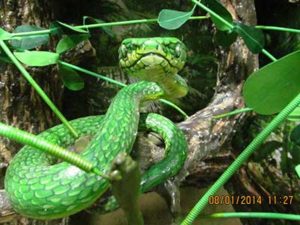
(38, 187)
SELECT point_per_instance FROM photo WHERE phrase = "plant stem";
(268, 54)
(117, 83)
(264, 215)
(37, 88)
(31, 33)
(257, 141)
(238, 111)
(286, 29)
(97, 25)
(74, 67)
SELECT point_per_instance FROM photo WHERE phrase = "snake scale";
(40, 187)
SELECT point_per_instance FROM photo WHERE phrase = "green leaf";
(271, 88)
(295, 115)
(253, 37)
(219, 9)
(107, 30)
(224, 38)
(30, 42)
(173, 19)
(70, 41)
(4, 35)
(37, 58)
(71, 78)
(68, 28)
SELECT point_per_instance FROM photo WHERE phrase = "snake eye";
(178, 50)
(122, 52)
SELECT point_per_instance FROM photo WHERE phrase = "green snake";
(40, 187)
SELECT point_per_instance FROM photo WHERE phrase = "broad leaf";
(271, 88)
(37, 58)
(253, 37)
(70, 41)
(4, 35)
(224, 38)
(173, 19)
(107, 30)
(71, 78)
(30, 42)
(219, 9)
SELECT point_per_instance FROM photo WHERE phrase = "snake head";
(143, 57)
(155, 59)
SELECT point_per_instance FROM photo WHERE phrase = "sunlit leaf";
(173, 19)
(271, 88)
(219, 9)
(71, 79)
(37, 58)
(29, 42)
(253, 37)
(70, 41)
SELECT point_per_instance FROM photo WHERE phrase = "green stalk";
(268, 54)
(258, 140)
(97, 25)
(238, 111)
(117, 83)
(37, 88)
(74, 67)
(285, 29)
(254, 215)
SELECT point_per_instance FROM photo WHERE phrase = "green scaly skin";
(38, 187)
